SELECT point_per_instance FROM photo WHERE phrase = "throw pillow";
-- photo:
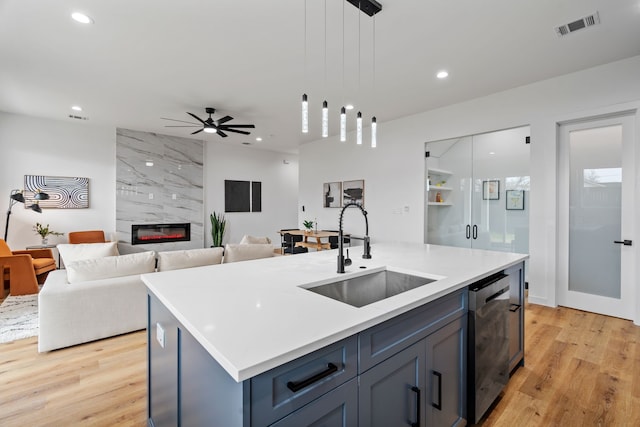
(234, 253)
(251, 240)
(173, 260)
(73, 252)
(111, 266)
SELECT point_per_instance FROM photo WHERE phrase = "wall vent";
(581, 23)
(71, 116)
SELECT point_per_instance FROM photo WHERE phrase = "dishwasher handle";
(496, 295)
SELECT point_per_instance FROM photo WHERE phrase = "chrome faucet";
(367, 242)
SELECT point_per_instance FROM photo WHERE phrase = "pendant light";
(325, 119)
(305, 114)
(374, 132)
(359, 128)
(343, 124)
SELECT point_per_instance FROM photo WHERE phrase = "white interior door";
(596, 217)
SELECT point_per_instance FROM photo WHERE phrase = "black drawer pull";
(416, 390)
(624, 242)
(438, 405)
(294, 387)
(514, 307)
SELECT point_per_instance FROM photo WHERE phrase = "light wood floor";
(581, 369)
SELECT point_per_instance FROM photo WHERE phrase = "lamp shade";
(36, 208)
(18, 197)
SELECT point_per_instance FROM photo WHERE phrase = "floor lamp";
(16, 196)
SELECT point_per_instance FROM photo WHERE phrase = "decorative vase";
(45, 241)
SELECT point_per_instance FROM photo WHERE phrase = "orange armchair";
(91, 236)
(25, 269)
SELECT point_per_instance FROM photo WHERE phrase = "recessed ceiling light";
(349, 106)
(76, 108)
(442, 74)
(81, 18)
(492, 153)
(258, 139)
(148, 163)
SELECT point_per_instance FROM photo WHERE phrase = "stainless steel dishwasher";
(488, 349)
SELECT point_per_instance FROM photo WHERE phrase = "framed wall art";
(332, 195)
(64, 192)
(491, 190)
(353, 191)
(515, 200)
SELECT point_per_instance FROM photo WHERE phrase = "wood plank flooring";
(581, 369)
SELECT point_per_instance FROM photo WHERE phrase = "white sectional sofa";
(100, 293)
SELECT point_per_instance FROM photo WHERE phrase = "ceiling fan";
(210, 125)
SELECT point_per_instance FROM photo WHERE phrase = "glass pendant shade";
(325, 119)
(359, 128)
(343, 124)
(374, 132)
(305, 114)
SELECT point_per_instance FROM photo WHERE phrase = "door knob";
(623, 242)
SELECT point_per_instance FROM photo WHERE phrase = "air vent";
(581, 23)
(71, 116)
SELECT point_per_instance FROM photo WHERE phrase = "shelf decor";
(515, 200)
(491, 190)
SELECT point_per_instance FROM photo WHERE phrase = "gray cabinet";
(408, 368)
(422, 386)
(516, 315)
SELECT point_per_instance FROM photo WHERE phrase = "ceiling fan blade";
(182, 126)
(222, 134)
(236, 131)
(198, 131)
(197, 118)
(181, 121)
(238, 126)
(224, 119)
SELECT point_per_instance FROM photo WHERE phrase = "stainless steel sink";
(363, 290)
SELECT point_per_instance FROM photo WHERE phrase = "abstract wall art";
(64, 192)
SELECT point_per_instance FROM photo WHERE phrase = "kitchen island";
(219, 336)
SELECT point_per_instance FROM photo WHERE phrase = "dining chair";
(90, 236)
(290, 244)
(333, 240)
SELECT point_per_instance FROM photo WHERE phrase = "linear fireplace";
(160, 233)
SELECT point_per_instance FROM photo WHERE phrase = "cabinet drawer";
(286, 388)
(381, 342)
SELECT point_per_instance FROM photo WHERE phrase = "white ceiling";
(146, 59)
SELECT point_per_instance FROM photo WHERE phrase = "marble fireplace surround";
(159, 180)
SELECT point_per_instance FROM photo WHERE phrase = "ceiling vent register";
(587, 21)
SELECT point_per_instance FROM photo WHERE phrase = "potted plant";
(45, 231)
(218, 223)
(308, 225)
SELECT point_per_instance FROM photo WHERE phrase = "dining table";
(316, 235)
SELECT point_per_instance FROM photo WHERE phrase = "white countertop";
(255, 315)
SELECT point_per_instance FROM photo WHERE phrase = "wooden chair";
(24, 270)
(91, 236)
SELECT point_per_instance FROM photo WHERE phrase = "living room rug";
(18, 317)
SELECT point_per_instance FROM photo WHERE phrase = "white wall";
(279, 190)
(394, 172)
(34, 146)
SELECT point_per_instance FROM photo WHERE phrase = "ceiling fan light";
(209, 129)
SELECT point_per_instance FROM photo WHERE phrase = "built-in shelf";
(439, 171)
(438, 188)
(440, 204)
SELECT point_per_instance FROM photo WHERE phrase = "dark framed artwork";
(515, 200)
(353, 191)
(491, 190)
(64, 192)
(332, 195)
(242, 196)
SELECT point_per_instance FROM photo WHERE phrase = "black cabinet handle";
(623, 242)
(475, 232)
(417, 391)
(294, 387)
(468, 231)
(514, 307)
(438, 405)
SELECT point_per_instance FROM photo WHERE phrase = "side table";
(59, 266)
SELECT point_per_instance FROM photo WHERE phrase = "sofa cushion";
(173, 260)
(252, 240)
(74, 252)
(237, 252)
(111, 266)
